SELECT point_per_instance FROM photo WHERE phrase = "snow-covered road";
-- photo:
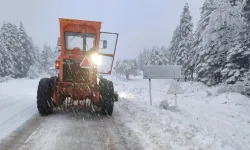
(204, 120)
(17, 104)
(71, 129)
(21, 127)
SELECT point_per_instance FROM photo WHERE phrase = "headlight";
(96, 59)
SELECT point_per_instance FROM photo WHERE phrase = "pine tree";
(2, 63)
(173, 48)
(201, 60)
(144, 59)
(157, 56)
(223, 25)
(185, 41)
(246, 10)
(26, 50)
(46, 59)
(188, 67)
(37, 67)
(185, 29)
(206, 10)
(139, 60)
(238, 57)
(181, 41)
(10, 50)
(165, 52)
(17, 52)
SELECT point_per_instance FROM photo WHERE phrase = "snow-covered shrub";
(52, 71)
(5, 79)
(164, 104)
(126, 67)
(240, 87)
(33, 72)
(209, 93)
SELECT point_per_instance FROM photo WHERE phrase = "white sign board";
(175, 88)
(162, 72)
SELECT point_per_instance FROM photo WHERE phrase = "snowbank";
(204, 119)
(17, 104)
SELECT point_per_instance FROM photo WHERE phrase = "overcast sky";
(140, 23)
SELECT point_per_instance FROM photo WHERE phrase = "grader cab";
(85, 54)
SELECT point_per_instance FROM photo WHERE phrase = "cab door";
(107, 49)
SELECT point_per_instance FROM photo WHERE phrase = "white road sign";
(175, 88)
(162, 72)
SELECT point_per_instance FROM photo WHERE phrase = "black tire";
(53, 81)
(107, 96)
(116, 97)
(44, 94)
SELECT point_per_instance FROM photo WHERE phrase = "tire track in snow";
(71, 129)
(19, 136)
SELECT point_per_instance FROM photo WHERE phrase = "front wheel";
(107, 96)
(44, 94)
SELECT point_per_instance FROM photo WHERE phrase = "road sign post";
(175, 89)
(150, 94)
(175, 101)
(161, 72)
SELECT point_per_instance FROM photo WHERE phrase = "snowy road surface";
(70, 129)
(202, 121)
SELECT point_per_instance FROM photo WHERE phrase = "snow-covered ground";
(17, 104)
(204, 120)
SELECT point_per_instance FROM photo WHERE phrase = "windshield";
(84, 41)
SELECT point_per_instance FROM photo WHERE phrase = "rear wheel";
(44, 94)
(107, 96)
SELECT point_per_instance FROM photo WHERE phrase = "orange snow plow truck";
(85, 54)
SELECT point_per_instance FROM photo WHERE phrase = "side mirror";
(105, 44)
(58, 42)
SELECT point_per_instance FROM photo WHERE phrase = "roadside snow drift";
(17, 104)
(203, 119)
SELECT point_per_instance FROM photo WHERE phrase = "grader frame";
(78, 73)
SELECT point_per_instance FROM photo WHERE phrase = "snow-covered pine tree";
(11, 52)
(37, 68)
(144, 59)
(185, 40)
(217, 38)
(165, 55)
(55, 55)
(2, 62)
(174, 46)
(246, 9)
(154, 56)
(37, 53)
(139, 60)
(46, 58)
(157, 56)
(185, 28)
(188, 65)
(206, 10)
(27, 50)
(238, 57)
